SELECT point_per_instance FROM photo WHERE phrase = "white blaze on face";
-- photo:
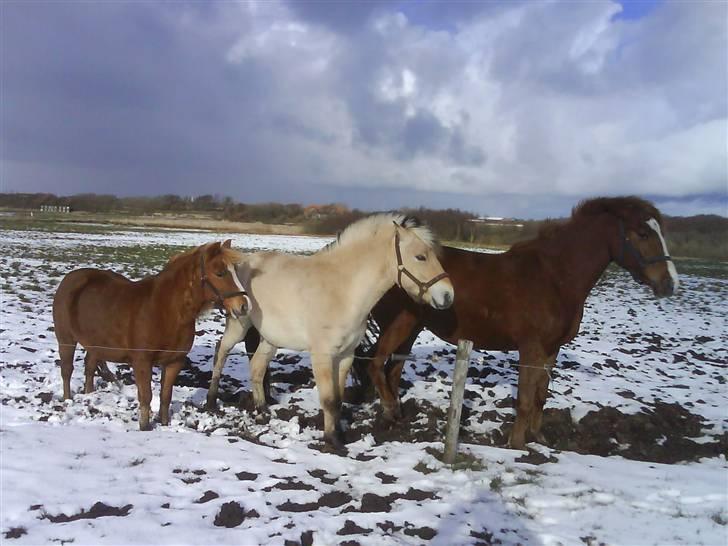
(670, 266)
(234, 273)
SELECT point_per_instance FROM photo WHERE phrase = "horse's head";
(640, 248)
(419, 272)
(219, 279)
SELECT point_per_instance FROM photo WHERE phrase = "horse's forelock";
(231, 256)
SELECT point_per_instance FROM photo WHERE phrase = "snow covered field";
(637, 412)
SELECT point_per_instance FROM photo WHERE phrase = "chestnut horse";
(151, 321)
(529, 299)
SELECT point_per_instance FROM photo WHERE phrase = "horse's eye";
(420, 257)
(643, 234)
(222, 273)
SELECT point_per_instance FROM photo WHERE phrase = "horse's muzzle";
(664, 289)
(442, 299)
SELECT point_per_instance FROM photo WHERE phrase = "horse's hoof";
(539, 438)
(145, 427)
(391, 415)
(211, 405)
(334, 444)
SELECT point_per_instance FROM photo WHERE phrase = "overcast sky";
(503, 108)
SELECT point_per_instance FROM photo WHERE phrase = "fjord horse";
(142, 323)
(529, 299)
(320, 303)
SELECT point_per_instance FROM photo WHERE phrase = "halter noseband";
(220, 297)
(627, 246)
(401, 269)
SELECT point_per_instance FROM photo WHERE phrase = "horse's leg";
(169, 376)
(258, 368)
(235, 330)
(396, 362)
(323, 374)
(102, 368)
(542, 391)
(89, 368)
(143, 377)
(252, 340)
(66, 350)
(345, 363)
(529, 376)
(391, 338)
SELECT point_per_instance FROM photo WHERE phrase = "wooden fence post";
(462, 360)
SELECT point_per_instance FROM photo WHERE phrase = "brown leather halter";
(401, 269)
(627, 246)
(220, 297)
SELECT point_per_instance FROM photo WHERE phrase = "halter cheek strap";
(402, 270)
(628, 247)
(220, 297)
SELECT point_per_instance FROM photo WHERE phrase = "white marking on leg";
(670, 266)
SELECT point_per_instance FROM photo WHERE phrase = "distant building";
(55, 208)
(322, 211)
(496, 221)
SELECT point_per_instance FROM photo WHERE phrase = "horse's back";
(499, 298)
(86, 296)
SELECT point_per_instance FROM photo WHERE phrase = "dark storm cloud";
(380, 104)
(127, 96)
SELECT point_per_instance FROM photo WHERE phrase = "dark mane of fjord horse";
(143, 323)
(529, 299)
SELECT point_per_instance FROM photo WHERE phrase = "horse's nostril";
(447, 298)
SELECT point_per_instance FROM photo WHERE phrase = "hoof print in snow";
(231, 514)
(207, 497)
(417, 495)
(289, 506)
(334, 499)
(484, 538)
(306, 538)
(425, 533)
(389, 527)
(98, 510)
(374, 503)
(290, 485)
(246, 476)
(323, 476)
(386, 478)
(15, 532)
(45, 397)
(351, 528)
(534, 457)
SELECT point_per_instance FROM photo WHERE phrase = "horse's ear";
(214, 248)
(228, 243)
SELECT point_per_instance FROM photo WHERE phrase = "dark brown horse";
(142, 323)
(529, 299)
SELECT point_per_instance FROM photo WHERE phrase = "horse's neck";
(179, 292)
(371, 271)
(580, 255)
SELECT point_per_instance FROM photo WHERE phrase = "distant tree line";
(703, 236)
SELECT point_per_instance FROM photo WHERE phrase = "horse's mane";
(367, 227)
(229, 255)
(621, 207)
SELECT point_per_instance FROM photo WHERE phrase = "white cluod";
(670, 266)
